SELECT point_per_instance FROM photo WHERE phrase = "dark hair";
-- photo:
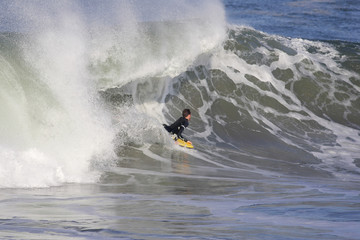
(186, 112)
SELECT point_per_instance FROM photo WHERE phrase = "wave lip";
(271, 97)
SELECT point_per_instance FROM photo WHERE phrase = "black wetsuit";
(178, 127)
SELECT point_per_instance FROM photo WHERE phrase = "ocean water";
(273, 87)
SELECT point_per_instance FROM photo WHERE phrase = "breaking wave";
(74, 97)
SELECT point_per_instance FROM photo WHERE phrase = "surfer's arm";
(180, 133)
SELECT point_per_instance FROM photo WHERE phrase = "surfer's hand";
(184, 139)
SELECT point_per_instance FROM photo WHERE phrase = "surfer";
(179, 125)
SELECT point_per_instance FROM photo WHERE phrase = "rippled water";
(310, 19)
(185, 198)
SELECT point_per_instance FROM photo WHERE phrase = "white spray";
(63, 125)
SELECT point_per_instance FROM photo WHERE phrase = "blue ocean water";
(309, 19)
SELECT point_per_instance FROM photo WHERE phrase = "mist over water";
(85, 87)
(55, 121)
(65, 53)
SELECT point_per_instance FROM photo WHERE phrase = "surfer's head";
(186, 114)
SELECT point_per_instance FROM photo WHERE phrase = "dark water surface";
(319, 20)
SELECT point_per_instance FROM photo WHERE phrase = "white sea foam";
(343, 153)
(63, 127)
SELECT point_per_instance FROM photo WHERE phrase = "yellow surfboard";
(182, 143)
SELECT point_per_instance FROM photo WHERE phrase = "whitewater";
(85, 87)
